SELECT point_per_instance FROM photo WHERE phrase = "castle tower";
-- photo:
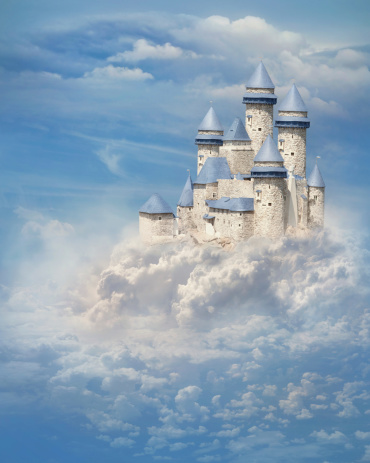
(237, 148)
(209, 138)
(156, 220)
(185, 207)
(259, 103)
(292, 124)
(316, 198)
(270, 191)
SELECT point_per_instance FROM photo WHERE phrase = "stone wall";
(239, 156)
(294, 142)
(186, 221)
(235, 188)
(270, 207)
(302, 211)
(260, 124)
(316, 203)
(235, 225)
(152, 226)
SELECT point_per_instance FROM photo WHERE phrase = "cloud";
(144, 50)
(111, 72)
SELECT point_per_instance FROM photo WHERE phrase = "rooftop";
(315, 178)
(214, 169)
(211, 122)
(293, 101)
(237, 131)
(232, 204)
(260, 78)
(268, 152)
(186, 198)
(156, 205)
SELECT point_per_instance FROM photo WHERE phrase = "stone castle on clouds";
(246, 185)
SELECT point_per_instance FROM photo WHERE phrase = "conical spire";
(211, 122)
(260, 78)
(293, 101)
(315, 178)
(156, 205)
(237, 131)
(186, 198)
(268, 152)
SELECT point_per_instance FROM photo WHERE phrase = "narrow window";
(315, 197)
(159, 218)
(239, 225)
(214, 195)
(292, 136)
(270, 204)
(269, 187)
(259, 129)
(292, 154)
(240, 214)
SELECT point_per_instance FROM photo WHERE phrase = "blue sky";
(111, 352)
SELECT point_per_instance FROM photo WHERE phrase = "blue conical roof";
(315, 178)
(293, 101)
(214, 169)
(156, 205)
(186, 198)
(260, 78)
(237, 131)
(268, 152)
(211, 121)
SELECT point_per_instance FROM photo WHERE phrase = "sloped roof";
(232, 204)
(293, 101)
(211, 121)
(260, 78)
(268, 152)
(214, 169)
(186, 198)
(156, 205)
(237, 131)
(239, 176)
(315, 178)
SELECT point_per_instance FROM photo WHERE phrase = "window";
(270, 204)
(269, 187)
(239, 225)
(292, 154)
(213, 195)
(292, 135)
(259, 129)
(189, 208)
(315, 198)
(240, 214)
(159, 218)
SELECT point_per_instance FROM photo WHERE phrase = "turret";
(292, 124)
(185, 207)
(237, 148)
(156, 220)
(259, 102)
(209, 137)
(316, 198)
(270, 191)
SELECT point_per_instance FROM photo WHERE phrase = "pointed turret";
(260, 78)
(209, 138)
(293, 101)
(186, 198)
(315, 179)
(259, 101)
(156, 205)
(292, 123)
(316, 198)
(237, 132)
(268, 152)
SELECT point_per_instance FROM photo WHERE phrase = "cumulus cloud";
(111, 72)
(142, 50)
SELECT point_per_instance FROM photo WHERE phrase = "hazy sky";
(110, 352)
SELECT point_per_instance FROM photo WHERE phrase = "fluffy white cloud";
(143, 50)
(111, 72)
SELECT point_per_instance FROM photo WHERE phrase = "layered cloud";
(193, 351)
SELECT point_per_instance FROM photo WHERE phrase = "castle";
(246, 184)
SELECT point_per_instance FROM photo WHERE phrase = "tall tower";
(185, 207)
(292, 124)
(237, 148)
(316, 198)
(156, 220)
(270, 191)
(209, 138)
(259, 103)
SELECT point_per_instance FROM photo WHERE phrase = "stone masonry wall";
(293, 113)
(294, 142)
(302, 211)
(152, 226)
(260, 125)
(239, 156)
(269, 207)
(186, 221)
(235, 188)
(200, 207)
(235, 225)
(316, 203)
